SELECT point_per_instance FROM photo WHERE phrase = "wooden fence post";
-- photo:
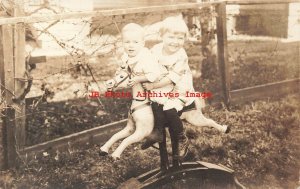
(223, 51)
(2, 151)
(19, 72)
(7, 87)
(2, 145)
(12, 75)
(10, 140)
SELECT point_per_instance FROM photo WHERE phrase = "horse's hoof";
(147, 144)
(115, 158)
(102, 153)
(228, 129)
(153, 138)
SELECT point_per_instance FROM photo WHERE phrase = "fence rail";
(91, 136)
(122, 11)
(104, 13)
(267, 90)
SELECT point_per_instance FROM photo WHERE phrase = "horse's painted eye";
(121, 76)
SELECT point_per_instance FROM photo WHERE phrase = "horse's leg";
(144, 122)
(195, 117)
(119, 135)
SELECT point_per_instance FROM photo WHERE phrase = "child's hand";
(148, 86)
(132, 82)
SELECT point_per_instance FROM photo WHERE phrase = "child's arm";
(174, 75)
(151, 70)
(137, 79)
(178, 69)
(163, 82)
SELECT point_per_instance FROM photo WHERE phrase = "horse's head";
(119, 81)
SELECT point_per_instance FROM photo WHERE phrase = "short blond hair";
(175, 25)
(133, 27)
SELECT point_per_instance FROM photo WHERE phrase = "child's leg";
(178, 137)
(174, 122)
(144, 122)
(175, 148)
(119, 135)
(159, 120)
(157, 133)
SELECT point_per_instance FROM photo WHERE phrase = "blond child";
(172, 56)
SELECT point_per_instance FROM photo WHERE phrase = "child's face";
(133, 42)
(172, 42)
